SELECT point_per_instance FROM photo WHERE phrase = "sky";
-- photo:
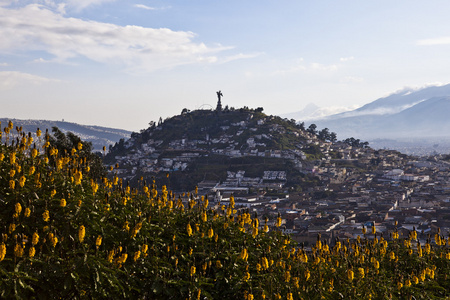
(124, 63)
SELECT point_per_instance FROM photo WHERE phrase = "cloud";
(352, 79)
(322, 67)
(4, 64)
(239, 56)
(300, 66)
(10, 79)
(79, 5)
(144, 7)
(445, 40)
(344, 59)
(36, 28)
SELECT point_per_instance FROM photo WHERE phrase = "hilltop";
(203, 145)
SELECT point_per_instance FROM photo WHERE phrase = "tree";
(324, 134)
(312, 129)
(66, 143)
(333, 137)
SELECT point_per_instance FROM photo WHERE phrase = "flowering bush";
(68, 234)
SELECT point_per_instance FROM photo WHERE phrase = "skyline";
(123, 64)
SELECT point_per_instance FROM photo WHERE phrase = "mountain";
(97, 135)
(409, 114)
(313, 112)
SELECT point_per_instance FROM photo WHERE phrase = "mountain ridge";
(420, 113)
(99, 136)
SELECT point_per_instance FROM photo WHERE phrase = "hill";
(97, 135)
(205, 144)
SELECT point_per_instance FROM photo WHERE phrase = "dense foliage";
(67, 235)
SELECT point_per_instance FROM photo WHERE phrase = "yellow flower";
(361, 272)
(18, 250)
(12, 158)
(189, 229)
(136, 256)
(192, 271)
(38, 132)
(250, 297)
(111, 256)
(27, 212)
(46, 215)
(12, 228)
(12, 184)
(54, 241)
(392, 255)
(287, 276)
(376, 264)
(254, 232)
(246, 276)
(210, 233)
(81, 233)
(35, 239)
(78, 176)
(279, 220)
(144, 249)
(22, 181)
(374, 230)
(80, 146)
(52, 193)
(62, 202)
(265, 263)
(407, 283)
(415, 280)
(34, 152)
(244, 254)
(218, 264)
(2, 156)
(98, 241)
(123, 258)
(307, 275)
(2, 251)
(12, 172)
(31, 252)
(18, 208)
(350, 275)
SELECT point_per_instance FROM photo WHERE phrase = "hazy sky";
(124, 63)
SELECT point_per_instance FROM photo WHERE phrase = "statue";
(219, 104)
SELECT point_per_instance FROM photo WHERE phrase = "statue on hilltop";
(219, 104)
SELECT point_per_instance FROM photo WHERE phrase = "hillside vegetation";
(66, 234)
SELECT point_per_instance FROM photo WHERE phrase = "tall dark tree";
(333, 137)
(324, 134)
(65, 143)
(312, 129)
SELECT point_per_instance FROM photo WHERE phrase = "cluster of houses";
(394, 193)
(358, 186)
